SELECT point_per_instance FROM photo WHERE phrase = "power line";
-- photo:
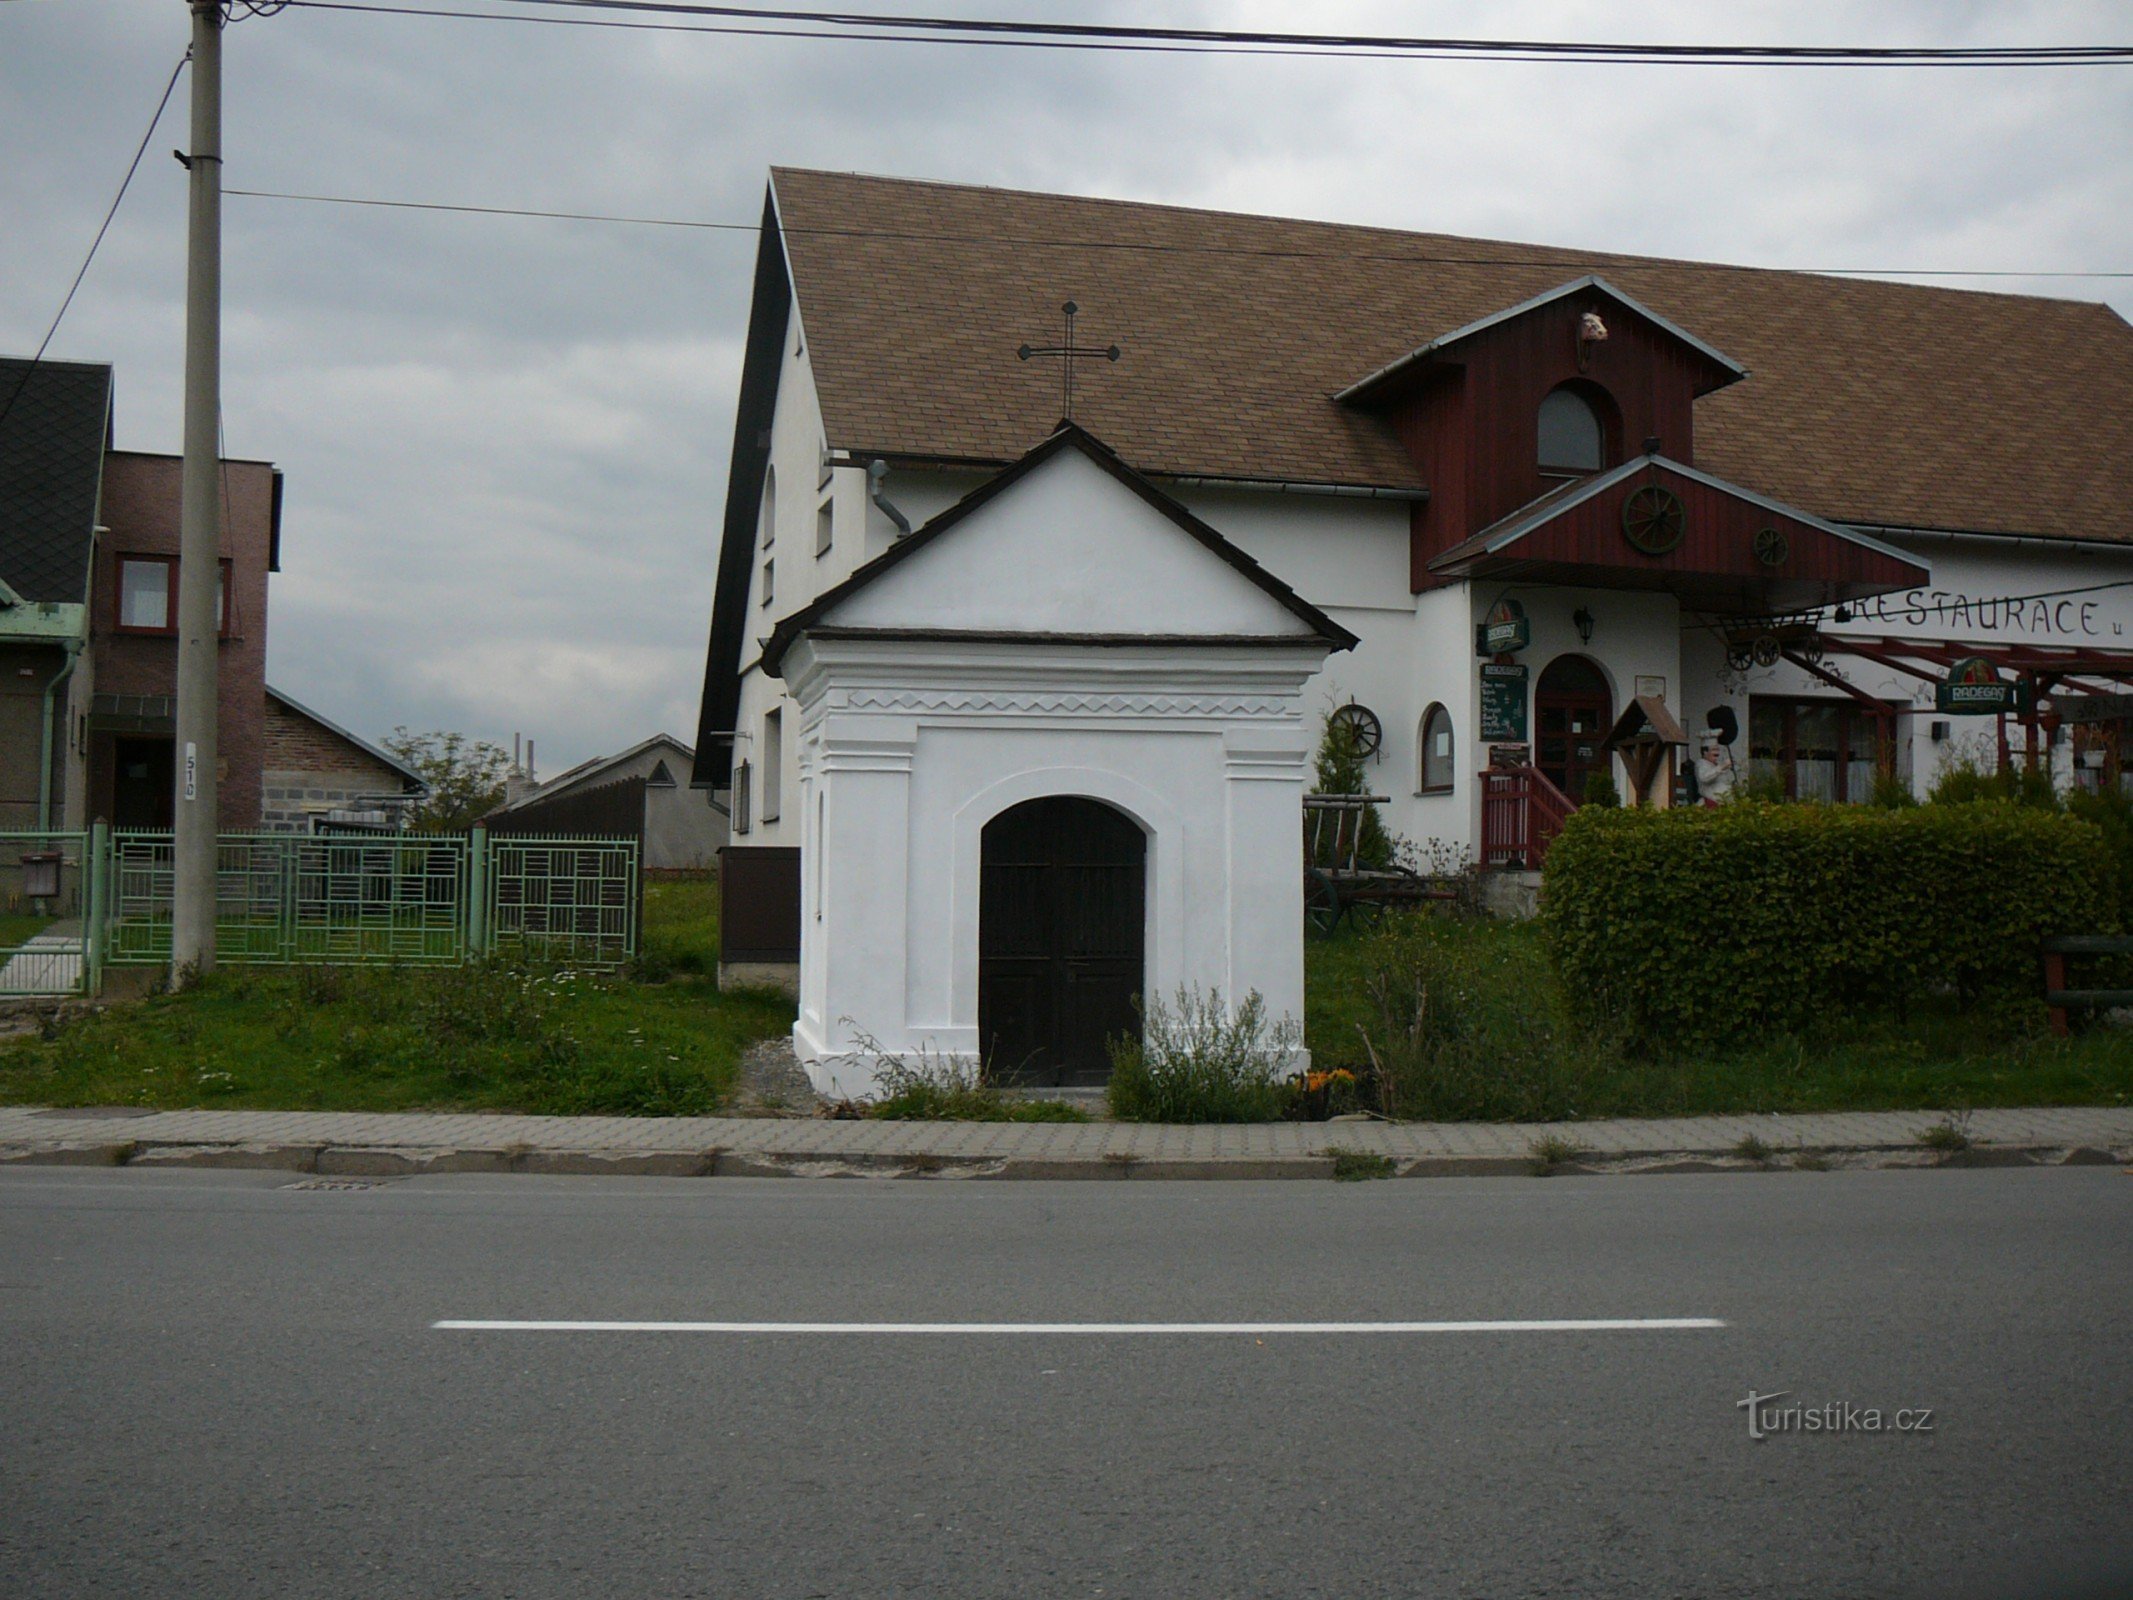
(1486, 48)
(132, 167)
(756, 22)
(906, 236)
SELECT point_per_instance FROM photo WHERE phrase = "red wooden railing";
(1521, 813)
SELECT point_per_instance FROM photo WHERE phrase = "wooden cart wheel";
(1362, 725)
(1322, 902)
(1653, 519)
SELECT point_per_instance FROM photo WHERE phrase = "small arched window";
(767, 521)
(1573, 440)
(1437, 760)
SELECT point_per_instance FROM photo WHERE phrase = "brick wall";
(311, 771)
(140, 507)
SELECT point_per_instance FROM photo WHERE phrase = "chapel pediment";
(1068, 546)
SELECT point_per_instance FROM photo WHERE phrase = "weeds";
(933, 1087)
(1551, 1152)
(1753, 1149)
(1949, 1135)
(1358, 1166)
(1199, 1061)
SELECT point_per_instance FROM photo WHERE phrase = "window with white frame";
(825, 528)
(767, 518)
(742, 778)
(773, 763)
(770, 582)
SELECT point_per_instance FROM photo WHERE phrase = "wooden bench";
(2058, 996)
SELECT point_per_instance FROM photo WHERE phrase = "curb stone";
(412, 1160)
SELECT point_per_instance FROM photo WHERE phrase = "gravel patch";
(773, 1083)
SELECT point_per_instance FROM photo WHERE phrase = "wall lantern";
(1583, 619)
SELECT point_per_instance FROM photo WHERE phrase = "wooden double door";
(1062, 909)
(1572, 715)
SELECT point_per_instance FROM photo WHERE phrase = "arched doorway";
(1061, 909)
(1572, 712)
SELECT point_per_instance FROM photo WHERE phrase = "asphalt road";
(213, 1384)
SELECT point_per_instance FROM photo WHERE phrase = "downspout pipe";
(44, 767)
(877, 472)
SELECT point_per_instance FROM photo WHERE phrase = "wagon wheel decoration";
(1809, 650)
(1772, 548)
(1361, 726)
(1740, 657)
(1653, 520)
(1767, 649)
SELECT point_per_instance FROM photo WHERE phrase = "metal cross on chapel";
(1066, 350)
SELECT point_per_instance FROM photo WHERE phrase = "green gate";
(46, 904)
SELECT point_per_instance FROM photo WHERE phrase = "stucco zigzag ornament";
(1073, 705)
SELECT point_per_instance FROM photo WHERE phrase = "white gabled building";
(1784, 506)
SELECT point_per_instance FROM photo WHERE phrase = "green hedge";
(1751, 918)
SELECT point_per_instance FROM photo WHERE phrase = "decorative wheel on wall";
(1654, 519)
(1767, 649)
(1772, 548)
(1740, 657)
(1362, 726)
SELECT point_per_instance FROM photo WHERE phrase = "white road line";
(1107, 1329)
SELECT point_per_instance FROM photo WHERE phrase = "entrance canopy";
(1655, 523)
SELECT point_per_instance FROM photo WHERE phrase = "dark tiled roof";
(1877, 403)
(51, 460)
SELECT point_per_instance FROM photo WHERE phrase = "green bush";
(1749, 918)
(1198, 1061)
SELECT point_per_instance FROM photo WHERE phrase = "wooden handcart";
(1337, 884)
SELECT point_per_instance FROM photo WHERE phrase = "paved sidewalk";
(383, 1144)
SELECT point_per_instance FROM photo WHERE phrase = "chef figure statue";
(1714, 769)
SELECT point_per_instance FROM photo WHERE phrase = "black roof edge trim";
(761, 365)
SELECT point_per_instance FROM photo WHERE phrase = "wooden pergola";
(2090, 684)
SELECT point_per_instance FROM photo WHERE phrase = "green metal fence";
(405, 898)
(565, 899)
(283, 898)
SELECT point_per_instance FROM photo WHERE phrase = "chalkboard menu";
(1503, 701)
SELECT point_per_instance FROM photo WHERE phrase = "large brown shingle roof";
(1867, 402)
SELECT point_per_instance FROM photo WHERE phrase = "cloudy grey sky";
(505, 438)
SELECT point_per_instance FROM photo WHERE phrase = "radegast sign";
(1505, 631)
(1974, 688)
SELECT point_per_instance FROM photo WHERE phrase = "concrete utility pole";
(192, 944)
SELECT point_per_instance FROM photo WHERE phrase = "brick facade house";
(88, 594)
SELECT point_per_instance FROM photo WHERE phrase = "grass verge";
(491, 1037)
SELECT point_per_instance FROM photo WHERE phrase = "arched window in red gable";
(1573, 432)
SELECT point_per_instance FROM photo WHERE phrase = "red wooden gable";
(1737, 553)
(1467, 406)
